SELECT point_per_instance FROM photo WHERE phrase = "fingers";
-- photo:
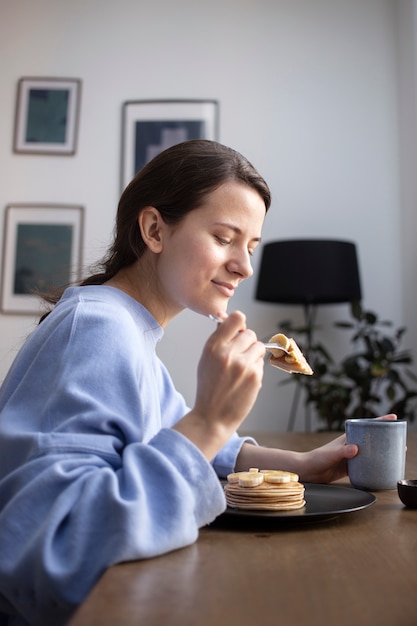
(390, 416)
(350, 450)
(234, 333)
(230, 372)
(231, 326)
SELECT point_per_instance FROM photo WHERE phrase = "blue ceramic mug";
(380, 462)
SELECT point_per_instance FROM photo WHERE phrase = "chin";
(209, 310)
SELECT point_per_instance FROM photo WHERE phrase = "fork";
(267, 345)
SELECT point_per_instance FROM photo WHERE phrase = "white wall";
(308, 91)
(407, 76)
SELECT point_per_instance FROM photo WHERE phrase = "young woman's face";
(208, 254)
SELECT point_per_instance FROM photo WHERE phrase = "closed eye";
(225, 242)
(222, 241)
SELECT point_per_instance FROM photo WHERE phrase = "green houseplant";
(375, 378)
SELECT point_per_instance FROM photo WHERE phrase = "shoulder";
(105, 302)
(102, 312)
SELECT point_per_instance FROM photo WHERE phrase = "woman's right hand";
(230, 375)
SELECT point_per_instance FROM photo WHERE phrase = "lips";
(225, 288)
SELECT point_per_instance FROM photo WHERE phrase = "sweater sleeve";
(91, 476)
(225, 461)
(76, 514)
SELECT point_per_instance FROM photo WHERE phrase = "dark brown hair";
(175, 182)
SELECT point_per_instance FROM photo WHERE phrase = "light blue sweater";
(91, 472)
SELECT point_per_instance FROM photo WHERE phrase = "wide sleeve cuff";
(225, 461)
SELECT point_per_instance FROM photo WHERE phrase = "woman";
(101, 460)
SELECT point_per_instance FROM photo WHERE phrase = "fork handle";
(268, 346)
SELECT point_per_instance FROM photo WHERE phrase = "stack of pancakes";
(265, 490)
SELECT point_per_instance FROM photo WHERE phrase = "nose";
(241, 264)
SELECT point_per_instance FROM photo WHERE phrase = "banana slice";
(253, 477)
(279, 476)
(250, 479)
(233, 478)
(294, 362)
(281, 340)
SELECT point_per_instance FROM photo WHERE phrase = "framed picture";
(150, 126)
(47, 112)
(42, 250)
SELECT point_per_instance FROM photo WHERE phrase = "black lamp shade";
(318, 271)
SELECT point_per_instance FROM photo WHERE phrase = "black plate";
(322, 502)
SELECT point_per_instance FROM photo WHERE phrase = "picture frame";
(42, 250)
(150, 126)
(47, 116)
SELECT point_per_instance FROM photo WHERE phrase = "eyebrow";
(237, 230)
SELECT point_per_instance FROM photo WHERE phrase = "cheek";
(180, 265)
(199, 255)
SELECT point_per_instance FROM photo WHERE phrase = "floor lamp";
(308, 272)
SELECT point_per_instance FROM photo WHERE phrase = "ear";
(151, 227)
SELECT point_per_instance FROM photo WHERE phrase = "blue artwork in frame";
(42, 250)
(47, 116)
(43, 257)
(47, 113)
(152, 137)
(150, 126)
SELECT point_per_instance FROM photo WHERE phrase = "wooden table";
(356, 569)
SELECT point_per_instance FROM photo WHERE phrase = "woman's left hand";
(320, 465)
(329, 462)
